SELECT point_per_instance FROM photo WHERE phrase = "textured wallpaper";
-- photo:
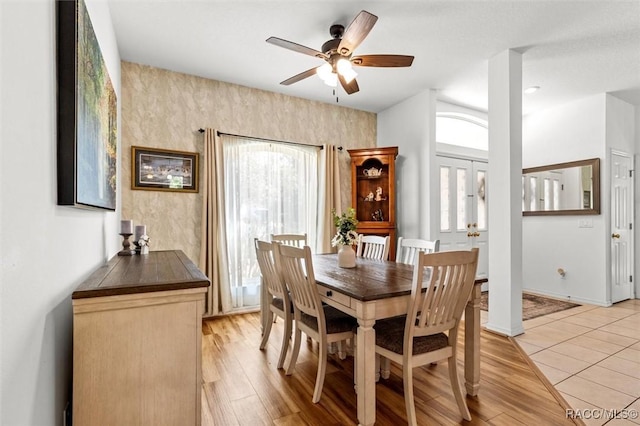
(164, 109)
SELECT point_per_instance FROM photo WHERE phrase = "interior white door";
(621, 227)
(480, 219)
(462, 208)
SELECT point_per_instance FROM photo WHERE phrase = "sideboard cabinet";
(373, 193)
(137, 330)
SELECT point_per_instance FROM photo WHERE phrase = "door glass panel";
(481, 207)
(461, 191)
(445, 224)
(556, 194)
(547, 194)
(533, 193)
(524, 192)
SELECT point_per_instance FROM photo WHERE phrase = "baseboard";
(568, 298)
(503, 331)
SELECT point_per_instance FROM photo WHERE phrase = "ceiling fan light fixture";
(324, 71)
(331, 80)
(343, 65)
(349, 75)
(344, 68)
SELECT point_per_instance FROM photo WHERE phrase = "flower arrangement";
(144, 240)
(346, 226)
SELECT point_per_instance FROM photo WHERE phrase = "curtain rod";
(267, 140)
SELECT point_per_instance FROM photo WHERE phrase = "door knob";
(615, 235)
(469, 234)
(476, 234)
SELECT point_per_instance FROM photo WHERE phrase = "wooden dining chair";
(278, 303)
(408, 248)
(429, 331)
(373, 247)
(298, 240)
(322, 323)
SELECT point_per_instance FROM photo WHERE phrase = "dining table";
(377, 289)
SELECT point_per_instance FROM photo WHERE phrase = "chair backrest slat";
(408, 249)
(439, 306)
(373, 247)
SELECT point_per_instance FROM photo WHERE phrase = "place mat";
(533, 305)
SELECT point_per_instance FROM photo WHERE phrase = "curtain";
(328, 198)
(213, 252)
(269, 188)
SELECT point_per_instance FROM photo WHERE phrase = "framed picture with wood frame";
(164, 170)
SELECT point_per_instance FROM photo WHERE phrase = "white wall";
(46, 250)
(573, 131)
(410, 125)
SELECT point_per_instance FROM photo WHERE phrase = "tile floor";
(591, 355)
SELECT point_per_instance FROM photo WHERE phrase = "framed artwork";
(87, 114)
(164, 170)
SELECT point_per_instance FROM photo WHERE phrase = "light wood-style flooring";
(241, 385)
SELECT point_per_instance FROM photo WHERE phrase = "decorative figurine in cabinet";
(373, 192)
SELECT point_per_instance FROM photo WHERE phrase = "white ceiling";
(571, 49)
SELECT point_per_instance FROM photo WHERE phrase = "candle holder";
(126, 246)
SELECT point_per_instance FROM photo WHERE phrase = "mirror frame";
(595, 168)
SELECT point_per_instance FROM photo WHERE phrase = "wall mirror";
(571, 188)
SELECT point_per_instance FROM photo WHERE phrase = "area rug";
(533, 305)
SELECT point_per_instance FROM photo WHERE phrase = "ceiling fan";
(338, 54)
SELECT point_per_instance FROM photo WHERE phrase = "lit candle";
(126, 227)
(140, 231)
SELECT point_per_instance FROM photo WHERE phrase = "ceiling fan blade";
(351, 87)
(298, 77)
(356, 32)
(382, 60)
(296, 47)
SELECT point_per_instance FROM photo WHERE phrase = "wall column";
(504, 188)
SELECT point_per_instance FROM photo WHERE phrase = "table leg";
(472, 342)
(366, 365)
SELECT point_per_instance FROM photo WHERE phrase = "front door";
(462, 208)
(621, 227)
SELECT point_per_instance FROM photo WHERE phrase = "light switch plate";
(585, 223)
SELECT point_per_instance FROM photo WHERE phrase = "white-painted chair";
(297, 240)
(323, 323)
(429, 332)
(278, 302)
(408, 249)
(373, 247)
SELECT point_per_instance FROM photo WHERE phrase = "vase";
(346, 257)
(144, 250)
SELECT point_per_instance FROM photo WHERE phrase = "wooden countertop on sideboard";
(156, 271)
